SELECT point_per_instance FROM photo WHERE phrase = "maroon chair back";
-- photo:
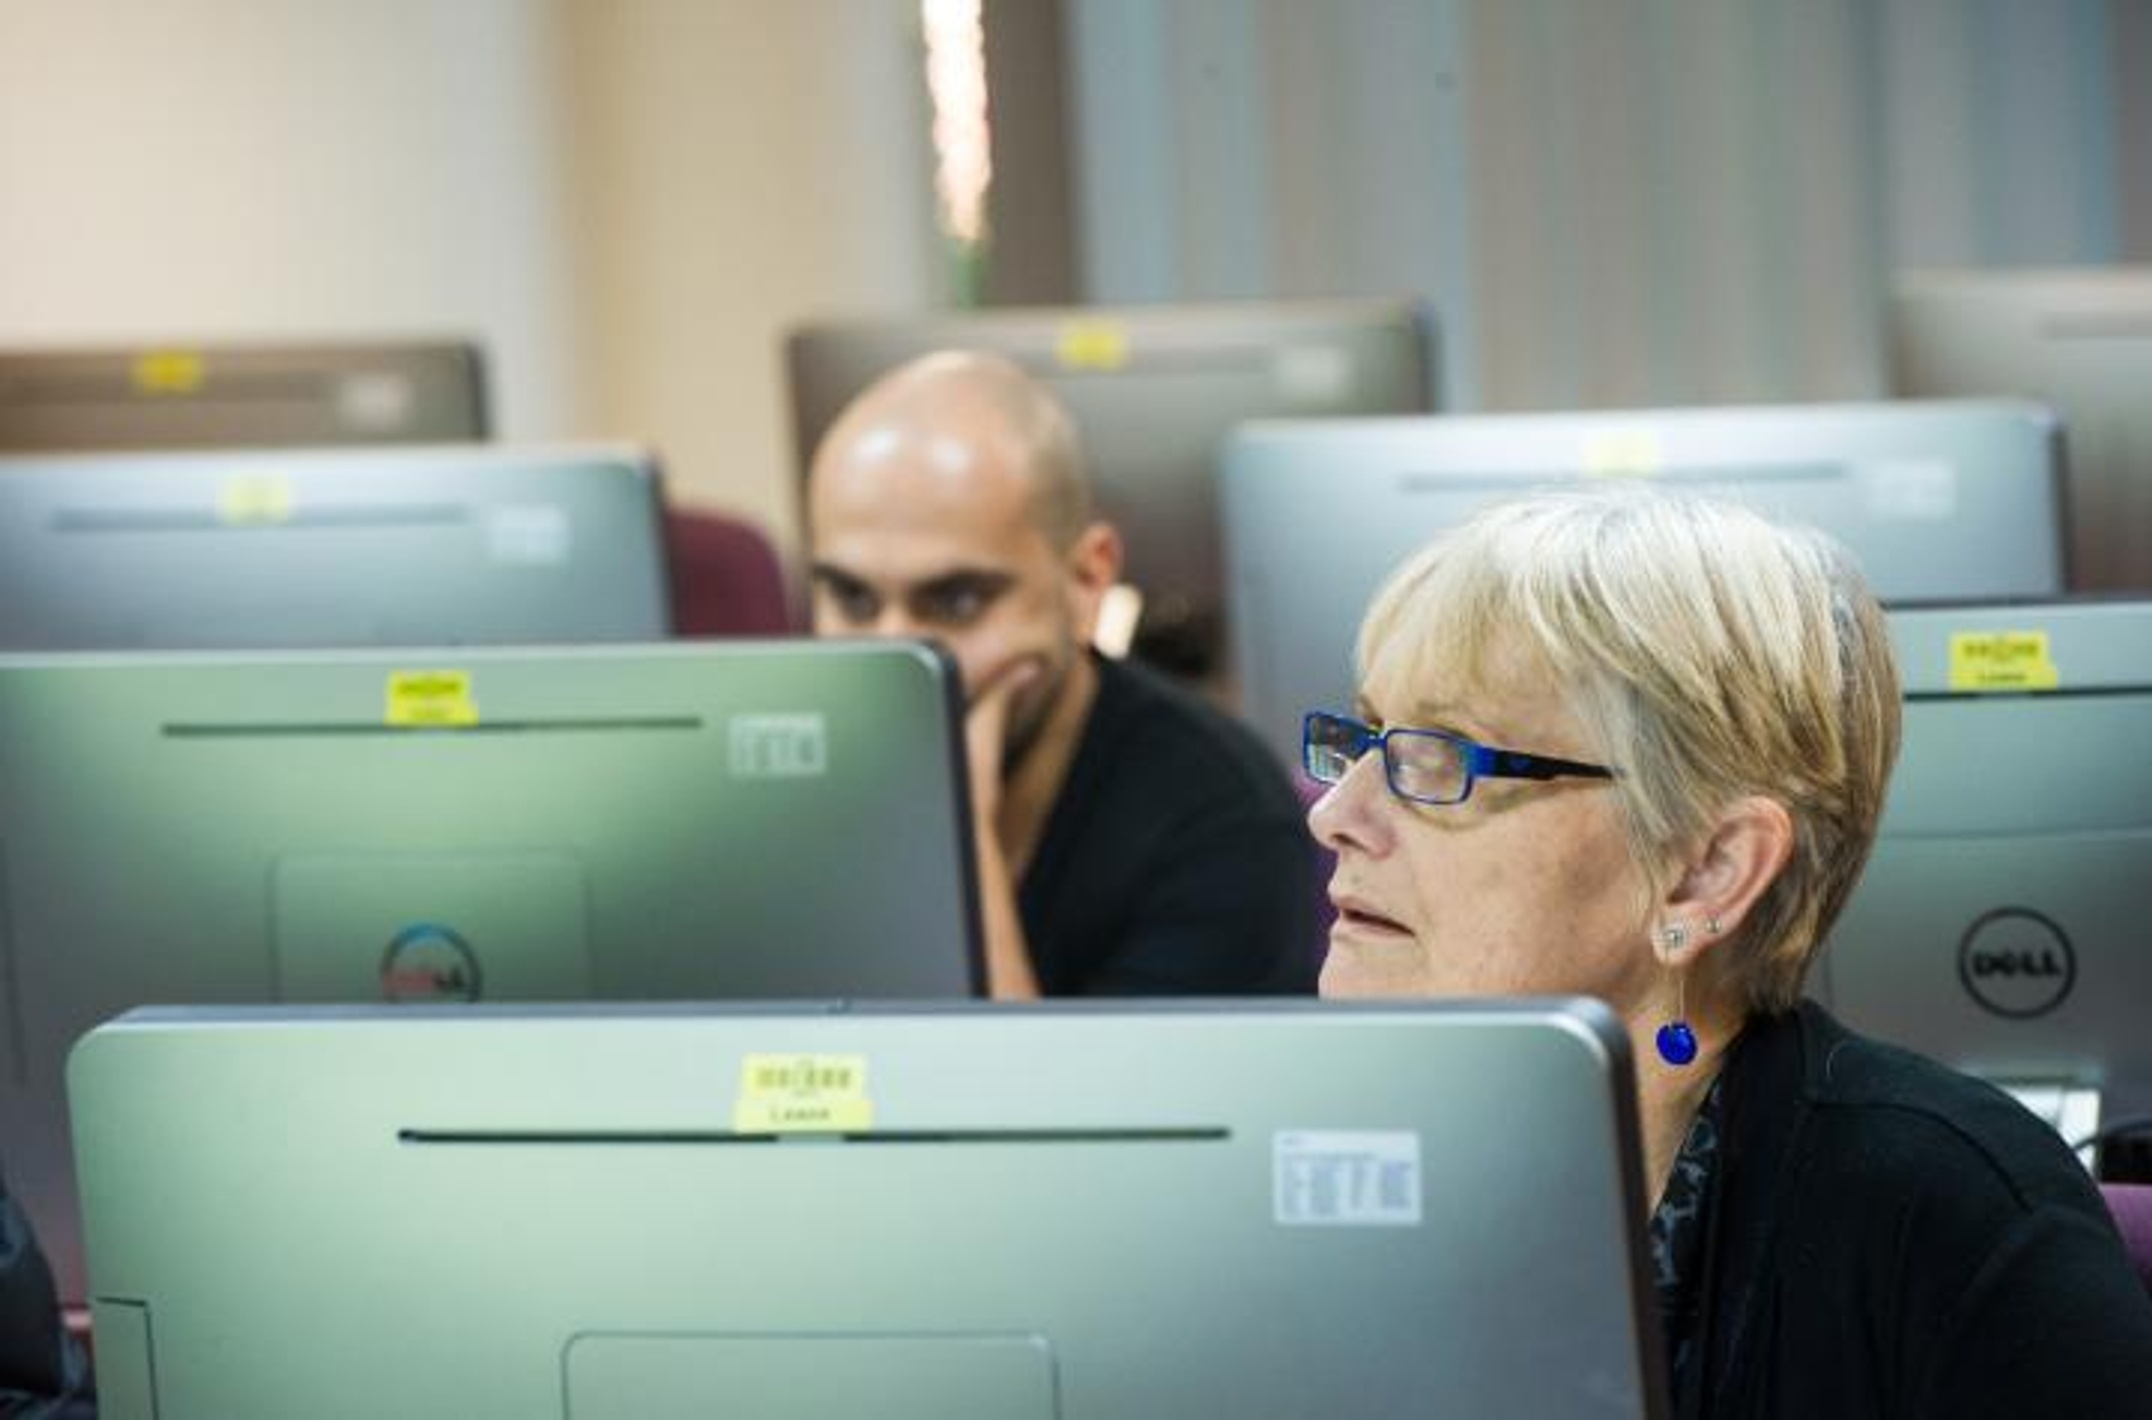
(2131, 1203)
(726, 578)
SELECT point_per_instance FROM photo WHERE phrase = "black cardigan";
(1887, 1237)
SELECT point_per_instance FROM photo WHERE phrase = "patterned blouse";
(1677, 1237)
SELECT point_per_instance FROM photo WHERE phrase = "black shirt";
(39, 1364)
(1883, 1236)
(1175, 860)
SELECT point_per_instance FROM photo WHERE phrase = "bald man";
(1131, 840)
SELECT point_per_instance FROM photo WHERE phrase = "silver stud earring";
(1712, 927)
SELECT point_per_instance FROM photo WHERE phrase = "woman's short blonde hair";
(1710, 655)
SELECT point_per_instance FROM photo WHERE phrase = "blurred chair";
(2131, 1203)
(726, 577)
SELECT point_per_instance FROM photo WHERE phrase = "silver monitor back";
(1153, 390)
(688, 820)
(358, 547)
(2004, 924)
(1936, 500)
(2077, 339)
(193, 395)
(1287, 1210)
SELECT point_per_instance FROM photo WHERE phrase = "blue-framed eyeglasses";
(1425, 766)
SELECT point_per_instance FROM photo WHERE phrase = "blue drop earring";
(1676, 1042)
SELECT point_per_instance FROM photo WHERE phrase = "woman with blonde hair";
(1636, 745)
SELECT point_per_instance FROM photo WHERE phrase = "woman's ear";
(1734, 863)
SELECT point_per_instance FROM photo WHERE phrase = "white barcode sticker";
(529, 535)
(792, 746)
(1911, 490)
(1346, 1178)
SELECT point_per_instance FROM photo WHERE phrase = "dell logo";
(2017, 963)
(2024, 963)
(427, 961)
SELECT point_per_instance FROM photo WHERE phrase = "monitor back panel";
(437, 546)
(241, 396)
(2077, 340)
(1279, 1211)
(2004, 923)
(1153, 391)
(1936, 500)
(685, 821)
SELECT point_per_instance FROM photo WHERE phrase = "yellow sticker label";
(170, 372)
(803, 1094)
(252, 499)
(1623, 453)
(428, 699)
(2001, 660)
(1092, 345)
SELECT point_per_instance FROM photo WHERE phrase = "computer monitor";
(684, 820)
(192, 395)
(1941, 499)
(1296, 1209)
(2079, 340)
(330, 547)
(1152, 389)
(2004, 924)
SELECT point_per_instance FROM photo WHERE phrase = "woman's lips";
(1361, 916)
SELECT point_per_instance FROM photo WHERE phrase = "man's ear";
(1093, 562)
(1729, 870)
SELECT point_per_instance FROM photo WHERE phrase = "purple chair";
(2131, 1203)
(726, 579)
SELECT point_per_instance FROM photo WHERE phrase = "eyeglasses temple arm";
(1511, 764)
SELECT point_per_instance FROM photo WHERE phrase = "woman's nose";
(1347, 812)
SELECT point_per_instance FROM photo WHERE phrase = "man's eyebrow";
(967, 579)
(836, 576)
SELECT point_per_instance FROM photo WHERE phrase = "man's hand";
(986, 733)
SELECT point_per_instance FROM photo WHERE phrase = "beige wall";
(738, 165)
(626, 200)
(262, 169)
